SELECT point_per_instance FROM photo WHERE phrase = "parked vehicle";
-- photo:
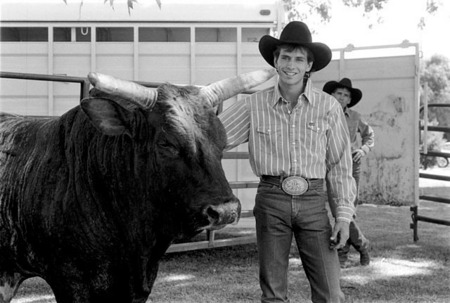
(444, 161)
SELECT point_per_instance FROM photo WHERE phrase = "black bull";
(91, 200)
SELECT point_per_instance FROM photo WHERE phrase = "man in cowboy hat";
(296, 134)
(348, 97)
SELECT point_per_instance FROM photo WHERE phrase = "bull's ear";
(107, 116)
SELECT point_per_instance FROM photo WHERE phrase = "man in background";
(348, 97)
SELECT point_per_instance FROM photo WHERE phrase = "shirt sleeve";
(236, 121)
(367, 136)
(339, 165)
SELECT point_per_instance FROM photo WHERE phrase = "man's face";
(292, 65)
(343, 95)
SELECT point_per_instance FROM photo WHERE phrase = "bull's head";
(182, 138)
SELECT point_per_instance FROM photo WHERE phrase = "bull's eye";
(168, 149)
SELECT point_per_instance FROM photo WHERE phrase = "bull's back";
(26, 145)
(21, 139)
(43, 174)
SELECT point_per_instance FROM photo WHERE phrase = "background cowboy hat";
(356, 96)
(297, 33)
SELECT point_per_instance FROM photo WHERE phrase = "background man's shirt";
(356, 124)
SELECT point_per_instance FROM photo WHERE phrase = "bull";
(90, 201)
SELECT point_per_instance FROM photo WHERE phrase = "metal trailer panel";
(170, 11)
(197, 63)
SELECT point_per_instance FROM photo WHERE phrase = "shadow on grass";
(397, 280)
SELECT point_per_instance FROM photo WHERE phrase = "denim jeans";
(356, 172)
(356, 237)
(279, 217)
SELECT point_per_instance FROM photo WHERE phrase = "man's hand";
(357, 155)
(340, 235)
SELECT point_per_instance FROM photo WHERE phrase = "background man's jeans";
(356, 239)
(279, 217)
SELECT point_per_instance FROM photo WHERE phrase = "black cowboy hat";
(297, 33)
(331, 86)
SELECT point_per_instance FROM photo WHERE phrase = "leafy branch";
(371, 9)
(130, 3)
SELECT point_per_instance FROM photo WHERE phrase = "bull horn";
(125, 89)
(222, 90)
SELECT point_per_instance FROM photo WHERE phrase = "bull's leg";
(76, 292)
(97, 286)
(9, 283)
(70, 290)
(158, 251)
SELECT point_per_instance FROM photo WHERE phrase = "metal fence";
(426, 153)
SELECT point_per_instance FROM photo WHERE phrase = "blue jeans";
(356, 237)
(279, 217)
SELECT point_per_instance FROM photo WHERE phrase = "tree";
(435, 75)
(129, 3)
(304, 9)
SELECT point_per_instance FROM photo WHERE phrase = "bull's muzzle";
(222, 214)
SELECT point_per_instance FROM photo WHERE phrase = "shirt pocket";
(318, 127)
(268, 135)
(316, 136)
(265, 130)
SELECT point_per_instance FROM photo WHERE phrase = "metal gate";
(433, 153)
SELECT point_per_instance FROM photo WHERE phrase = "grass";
(401, 270)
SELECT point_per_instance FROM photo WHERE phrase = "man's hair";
(291, 48)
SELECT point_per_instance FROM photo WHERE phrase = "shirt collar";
(308, 94)
(347, 112)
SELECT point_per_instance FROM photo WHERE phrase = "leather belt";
(292, 185)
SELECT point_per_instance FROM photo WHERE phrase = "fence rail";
(415, 209)
(84, 83)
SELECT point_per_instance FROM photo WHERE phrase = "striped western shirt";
(311, 141)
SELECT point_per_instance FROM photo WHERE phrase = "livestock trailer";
(186, 42)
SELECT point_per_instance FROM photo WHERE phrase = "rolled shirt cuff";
(345, 213)
(365, 149)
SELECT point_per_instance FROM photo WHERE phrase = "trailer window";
(62, 34)
(164, 34)
(215, 34)
(114, 34)
(23, 34)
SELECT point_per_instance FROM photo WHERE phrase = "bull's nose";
(222, 214)
(213, 212)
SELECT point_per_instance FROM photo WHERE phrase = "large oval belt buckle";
(294, 185)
